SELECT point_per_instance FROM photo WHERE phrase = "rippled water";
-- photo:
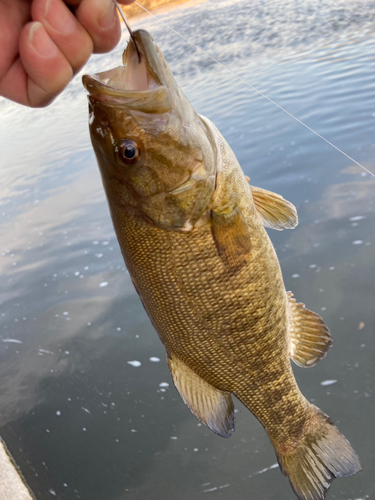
(86, 408)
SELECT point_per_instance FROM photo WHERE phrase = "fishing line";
(129, 28)
(256, 90)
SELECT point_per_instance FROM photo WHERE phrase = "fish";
(191, 229)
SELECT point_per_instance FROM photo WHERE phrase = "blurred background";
(88, 408)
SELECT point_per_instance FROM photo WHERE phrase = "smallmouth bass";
(191, 230)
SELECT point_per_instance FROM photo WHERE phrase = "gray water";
(80, 419)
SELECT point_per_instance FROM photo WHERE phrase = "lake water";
(88, 409)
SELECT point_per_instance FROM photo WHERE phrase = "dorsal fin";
(309, 336)
(213, 407)
(274, 210)
(232, 238)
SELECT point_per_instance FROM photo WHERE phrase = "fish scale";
(177, 310)
(191, 230)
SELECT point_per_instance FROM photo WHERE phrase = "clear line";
(256, 90)
(120, 11)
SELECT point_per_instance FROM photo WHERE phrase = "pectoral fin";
(274, 210)
(213, 407)
(309, 335)
(232, 238)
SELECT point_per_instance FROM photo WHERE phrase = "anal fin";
(213, 407)
(274, 210)
(232, 238)
(309, 336)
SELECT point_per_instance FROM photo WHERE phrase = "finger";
(64, 30)
(75, 3)
(13, 16)
(100, 19)
(47, 71)
(13, 85)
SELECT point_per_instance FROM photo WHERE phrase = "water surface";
(88, 409)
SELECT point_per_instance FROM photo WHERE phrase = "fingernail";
(41, 41)
(59, 17)
(106, 19)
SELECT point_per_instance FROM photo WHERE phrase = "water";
(85, 406)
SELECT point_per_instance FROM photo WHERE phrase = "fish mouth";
(138, 84)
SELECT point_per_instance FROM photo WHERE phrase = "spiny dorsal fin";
(322, 454)
(309, 336)
(274, 211)
(213, 407)
(232, 238)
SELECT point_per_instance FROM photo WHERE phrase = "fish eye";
(127, 152)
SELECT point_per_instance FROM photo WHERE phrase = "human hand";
(44, 43)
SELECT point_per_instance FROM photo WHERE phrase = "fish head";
(156, 154)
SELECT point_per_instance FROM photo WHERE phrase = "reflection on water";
(86, 407)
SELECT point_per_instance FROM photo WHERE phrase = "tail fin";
(324, 454)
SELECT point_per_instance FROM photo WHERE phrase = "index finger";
(101, 20)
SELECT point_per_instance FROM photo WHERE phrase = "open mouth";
(134, 85)
(123, 80)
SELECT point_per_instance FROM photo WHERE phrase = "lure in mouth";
(138, 84)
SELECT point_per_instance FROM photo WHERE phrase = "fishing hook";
(129, 29)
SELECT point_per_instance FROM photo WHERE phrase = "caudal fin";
(324, 454)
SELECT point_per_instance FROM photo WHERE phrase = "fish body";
(191, 230)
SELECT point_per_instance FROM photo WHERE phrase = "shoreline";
(134, 11)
